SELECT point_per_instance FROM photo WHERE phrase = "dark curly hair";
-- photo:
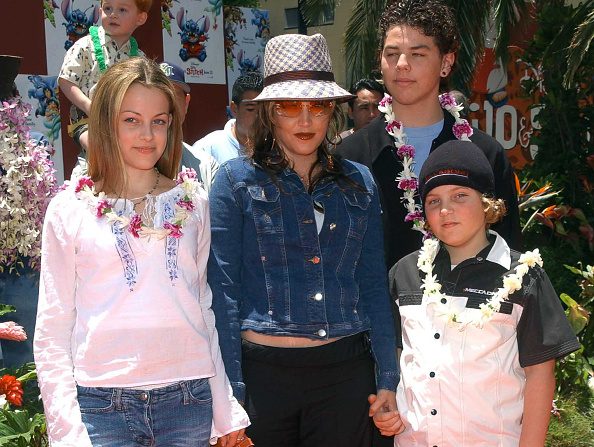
(252, 80)
(432, 17)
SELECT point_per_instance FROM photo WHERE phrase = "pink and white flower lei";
(187, 179)
(407, 180)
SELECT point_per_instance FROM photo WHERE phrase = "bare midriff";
(277, 341)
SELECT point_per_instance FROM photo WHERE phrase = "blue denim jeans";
(175, 415)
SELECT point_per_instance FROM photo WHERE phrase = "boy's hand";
(384, 412)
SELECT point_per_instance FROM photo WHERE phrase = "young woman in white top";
(126, 348)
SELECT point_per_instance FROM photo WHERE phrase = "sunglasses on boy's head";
(292, 109)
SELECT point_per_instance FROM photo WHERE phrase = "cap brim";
(306, 89)
(185, 87)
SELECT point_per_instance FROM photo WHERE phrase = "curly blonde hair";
(495, 209)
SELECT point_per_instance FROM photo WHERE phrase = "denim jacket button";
(315, 260)
(322, 333)
(332, 226)
(318, 296)
(143, 396)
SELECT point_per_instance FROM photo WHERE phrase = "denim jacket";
(271, 272)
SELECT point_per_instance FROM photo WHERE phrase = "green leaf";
(569, 301)
(19, 425)
(508, 14)
(6, 309)
(577, 316)
(581, 40)
(313, 10)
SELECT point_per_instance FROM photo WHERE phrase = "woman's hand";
(384, 412)
(232, 439)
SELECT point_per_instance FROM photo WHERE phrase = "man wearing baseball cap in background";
(204, 164)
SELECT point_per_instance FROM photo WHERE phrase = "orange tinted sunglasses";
(292, 109)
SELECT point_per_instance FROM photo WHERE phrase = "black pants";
(309, 397)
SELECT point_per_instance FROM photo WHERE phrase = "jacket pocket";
(357, 205)
(266, 208)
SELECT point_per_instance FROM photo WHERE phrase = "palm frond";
(313, 10)
(507, 15)
(580, 43)
(472, 18)
(361, 39)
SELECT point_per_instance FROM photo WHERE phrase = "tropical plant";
(577, 372)
(27, 183)
(22, 423)
(473, 16)
(242, 3)
(573, 424)
(565, 157)
(561, 224)
(583, 24)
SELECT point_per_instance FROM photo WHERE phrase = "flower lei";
(432, 288)
(187, 178)
(27, 183)
(407, 180)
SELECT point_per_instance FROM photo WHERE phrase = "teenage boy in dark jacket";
(418, 53)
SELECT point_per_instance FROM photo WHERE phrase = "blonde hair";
(494, 209)
(106, 163)
(142, 5)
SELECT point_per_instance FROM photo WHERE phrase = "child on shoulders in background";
(89, 57)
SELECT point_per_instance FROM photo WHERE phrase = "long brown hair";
(106, 163)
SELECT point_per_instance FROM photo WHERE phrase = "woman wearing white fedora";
(297, 267)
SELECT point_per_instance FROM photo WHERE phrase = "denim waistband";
(166, 392)
(342, 350)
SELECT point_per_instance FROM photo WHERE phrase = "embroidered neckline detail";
(407, 180)
(172, 227)
(433, 296)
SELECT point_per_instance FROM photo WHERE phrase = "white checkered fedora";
(299, 67)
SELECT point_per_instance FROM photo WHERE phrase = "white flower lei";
(27, 183)
(187, 178)
(432, 288)
(407, 180)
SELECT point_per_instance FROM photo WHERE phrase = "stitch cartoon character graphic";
(77, 22)
(215, 10)
(45, 90)
(262, 23)
(193, 35)
(246, 64)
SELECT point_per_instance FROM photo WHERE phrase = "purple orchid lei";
(407, 180)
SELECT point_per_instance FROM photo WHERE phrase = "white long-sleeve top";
(119, 311)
